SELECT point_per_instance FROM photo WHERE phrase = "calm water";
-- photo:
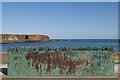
(67, 43)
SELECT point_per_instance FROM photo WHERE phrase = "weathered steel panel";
(60, 62)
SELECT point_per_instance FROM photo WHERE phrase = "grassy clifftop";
(7, 38)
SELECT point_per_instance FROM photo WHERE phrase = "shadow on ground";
(3, 70)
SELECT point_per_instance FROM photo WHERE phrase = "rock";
(7, 38)
(57, 40)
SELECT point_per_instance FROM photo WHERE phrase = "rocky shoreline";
(11, 38)
(19, 38)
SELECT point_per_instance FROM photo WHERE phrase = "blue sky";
(0, 18)
(66, 20)
(59, 0)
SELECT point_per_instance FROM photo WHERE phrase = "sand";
(3, 57)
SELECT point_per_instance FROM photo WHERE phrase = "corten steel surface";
(60, 62)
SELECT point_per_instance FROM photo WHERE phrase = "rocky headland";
(8, 38)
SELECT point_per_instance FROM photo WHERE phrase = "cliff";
(7, 38)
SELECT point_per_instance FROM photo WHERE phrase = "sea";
(66, 43)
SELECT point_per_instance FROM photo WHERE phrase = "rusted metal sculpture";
(60, 62)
